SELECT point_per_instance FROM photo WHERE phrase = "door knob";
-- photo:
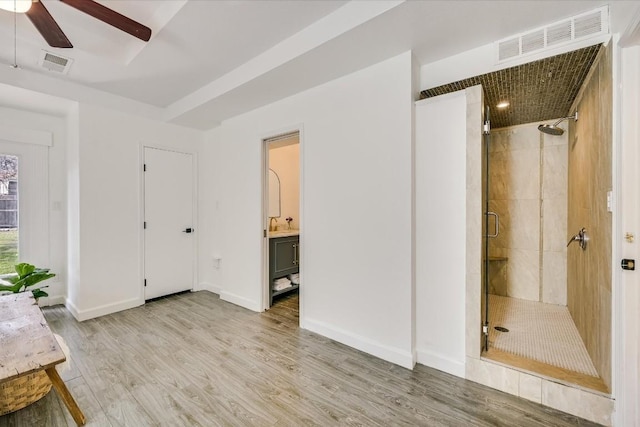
(188, 230)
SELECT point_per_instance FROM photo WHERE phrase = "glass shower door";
(490, 228)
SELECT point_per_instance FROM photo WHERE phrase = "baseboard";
(204, 286)
(241, 301)
(52, 300)
(102, 310)
(390, 354)
(438, 361)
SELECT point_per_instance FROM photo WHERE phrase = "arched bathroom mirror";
(274, 194)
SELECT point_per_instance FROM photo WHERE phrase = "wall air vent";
(579, 27)
(53, 62)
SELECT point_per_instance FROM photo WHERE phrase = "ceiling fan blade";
(47, 26)
(111, 17)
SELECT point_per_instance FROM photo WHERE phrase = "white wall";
(356, 207)
(109, 206)
(441, 229)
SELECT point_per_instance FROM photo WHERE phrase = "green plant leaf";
(38, 293)
(12, 278)
(10, 287)
(24, 269)
(34, 278)
(27, 275)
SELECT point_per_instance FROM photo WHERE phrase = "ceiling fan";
(50, 30)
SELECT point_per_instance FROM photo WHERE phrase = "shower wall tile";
(498, 278)
(554, 229)
(474, 210)
(473, 330)
(530, 387)
(554, 170)
(523, 274)
(522, 176)
(524, 224)
(501, 208)
(498, 176)
(499, 141)
(519, 224)
(524, 137)
(590, 177)
(492, 375)
(551, 140)
(554, 277)
(475, 96)
(590, 406)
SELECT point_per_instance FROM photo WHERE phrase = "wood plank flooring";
(194, 360)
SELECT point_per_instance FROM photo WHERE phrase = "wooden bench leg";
(66, 397)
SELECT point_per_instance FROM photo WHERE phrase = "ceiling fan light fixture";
(18, 6)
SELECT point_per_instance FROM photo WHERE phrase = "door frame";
(141, 210)
(265, 288)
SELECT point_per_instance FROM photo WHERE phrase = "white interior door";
(169, 233)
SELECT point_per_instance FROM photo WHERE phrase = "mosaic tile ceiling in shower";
(537, 91)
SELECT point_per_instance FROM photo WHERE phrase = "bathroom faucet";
(271, 227)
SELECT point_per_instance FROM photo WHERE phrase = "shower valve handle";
(582, 238)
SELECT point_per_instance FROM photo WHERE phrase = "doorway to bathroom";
(281, 215)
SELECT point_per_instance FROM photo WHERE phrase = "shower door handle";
(496, 223)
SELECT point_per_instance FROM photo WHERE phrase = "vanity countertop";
(283, 233)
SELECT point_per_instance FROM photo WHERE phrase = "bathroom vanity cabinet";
(284, 253)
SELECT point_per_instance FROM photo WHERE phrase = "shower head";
(554, 129)
(551, 129)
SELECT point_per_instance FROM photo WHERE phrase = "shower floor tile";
(542, 332)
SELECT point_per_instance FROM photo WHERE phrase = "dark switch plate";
(628, 264)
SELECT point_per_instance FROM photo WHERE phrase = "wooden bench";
(27, 346)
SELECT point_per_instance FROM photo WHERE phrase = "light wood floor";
(193, 360)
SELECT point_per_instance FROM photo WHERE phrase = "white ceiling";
(209, 60)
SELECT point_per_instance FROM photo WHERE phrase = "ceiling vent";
(579, 27)
(53, 62)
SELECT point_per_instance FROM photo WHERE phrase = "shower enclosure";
(532, 179)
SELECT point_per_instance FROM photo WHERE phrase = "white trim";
(617, 388)
(141, 212)
(26, 136)
(301, 240)
(437, 361)
(103, 310)
(241, 301)
(626, 294)
(52, 300)
(390, 354)
(210, 287)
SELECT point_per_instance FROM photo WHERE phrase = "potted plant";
(25, 277)
(23, 391)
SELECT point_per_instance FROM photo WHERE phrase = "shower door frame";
(486, 137)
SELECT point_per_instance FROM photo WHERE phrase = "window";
(8, 213)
